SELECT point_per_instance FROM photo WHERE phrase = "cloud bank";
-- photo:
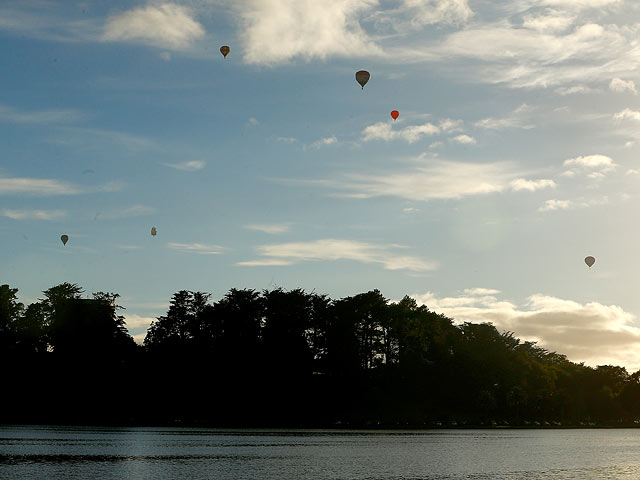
(589, 332)
(163, 25)
(338, 249)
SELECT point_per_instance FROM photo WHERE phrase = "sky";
(515, 156)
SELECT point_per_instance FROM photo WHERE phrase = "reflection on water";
(102, 453)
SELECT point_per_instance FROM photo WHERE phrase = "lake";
(50, 452)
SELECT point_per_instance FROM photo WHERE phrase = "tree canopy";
(277, 358)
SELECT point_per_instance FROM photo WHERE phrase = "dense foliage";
(289, 358)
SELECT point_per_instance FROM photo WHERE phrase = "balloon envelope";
(590, 261)
(224, 50)
(362, 77)
(394, 114)
(65, 239)
(153, 231)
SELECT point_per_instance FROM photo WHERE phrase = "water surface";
(171, 453)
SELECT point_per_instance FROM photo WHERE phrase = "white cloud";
(414, 15)
(428, 12)
(433, 179)
(379, 131)
(575, 89)
(163, 25)
(277, 31)
(286, 139)
(37, 187)
(324, 141)
(337, 249)
(515, 119)
(41, 117)
(531, 185)
(410, 210)
(91, 137)
(619, 85)
(450, 126)
(602, 163)
(253, 121)
(479, 291)
(526, 57)
(272, 229)
(135, 322)
(264, 263)
(108, 187)
(385, 131)
(580, 4)
(200, 248)
(34, 214)
(501, 42)
(551, 21)
(595, 175)
(555, 204)
(137, 325)
(190, 166)
(464, 139)
(627, 114)
(49, 186)
(551, 205)
(593, 333)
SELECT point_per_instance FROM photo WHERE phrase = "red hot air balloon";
(362, 77)
(394, 114)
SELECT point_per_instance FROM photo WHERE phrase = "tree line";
(289, 358)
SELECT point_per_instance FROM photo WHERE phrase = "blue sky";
(514, 157)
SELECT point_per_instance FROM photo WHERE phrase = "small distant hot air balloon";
(224, 50)
(362, 77)
(394, 114)
(65, 239)
(153, 231)
(590, 261)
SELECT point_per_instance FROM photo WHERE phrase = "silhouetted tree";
(33, 333)
(182, 326)
(53, 304)
(10, 313)
(287, 317)
(289, 358)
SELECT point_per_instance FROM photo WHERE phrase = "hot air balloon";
(153, 231)
(394, 114)
(590, 261)
(65, 239)
(224, 50)
(362, 77)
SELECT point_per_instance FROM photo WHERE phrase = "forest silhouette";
(281, 358)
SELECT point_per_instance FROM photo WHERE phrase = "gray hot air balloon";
(362, 77)
(590, 261)
(65, 239)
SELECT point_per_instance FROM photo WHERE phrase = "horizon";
(514, 157)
